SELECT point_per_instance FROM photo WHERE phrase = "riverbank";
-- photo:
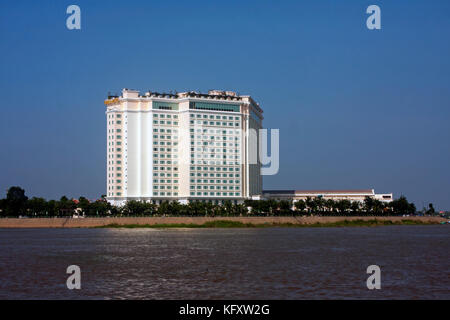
(213, 222)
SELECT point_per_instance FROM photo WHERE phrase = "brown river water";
(269, 263)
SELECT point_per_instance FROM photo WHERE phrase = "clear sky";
(356, 108)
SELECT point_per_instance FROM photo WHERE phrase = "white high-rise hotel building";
(185, 146)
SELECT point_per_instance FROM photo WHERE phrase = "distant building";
(185, 146)
(352, 195)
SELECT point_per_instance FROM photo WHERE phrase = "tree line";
(17, 204)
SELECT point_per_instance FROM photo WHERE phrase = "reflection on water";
(275, 263)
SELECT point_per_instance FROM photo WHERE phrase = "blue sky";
(356, 108)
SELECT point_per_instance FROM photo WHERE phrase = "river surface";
(272, 263)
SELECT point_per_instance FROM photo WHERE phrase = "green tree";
(401, 206)
(84, 205)
(368, 205)
(378, 207)
(139, 208)
(320, 203)
(343, 206)
(2, 206)
(37, 206)
(98, 208)
(330, 204)
(66, 207)
(311, 205)
(355, 207)
(300, 205)
(16, 201)
(284, 207)
(431, 210)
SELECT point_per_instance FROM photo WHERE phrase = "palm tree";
(300, 205)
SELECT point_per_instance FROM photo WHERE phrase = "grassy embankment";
(237, 224)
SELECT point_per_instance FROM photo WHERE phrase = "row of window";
(162, 174)
(215, 187)
(162, 155)
(214, 151)
(192, 194)
(164, 150)
(217, 131)
(164, 181)
(224, 138)
(215, 162)
(205, 116)
(212, 123)
(165, 162)
(217, 175)
(165, 187)
(164, 137)
(217, 144)
(215, 193)
(175, 116)
(168, 168)
(111, 194)
(215, 181)
(162, 115)
(111, 143)
(216, 168)
(165, 143)
(165, 130)
(168, 122)
(214, 156)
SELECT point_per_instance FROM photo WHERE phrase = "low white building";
(352, 195)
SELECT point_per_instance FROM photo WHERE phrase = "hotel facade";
(184, 146)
